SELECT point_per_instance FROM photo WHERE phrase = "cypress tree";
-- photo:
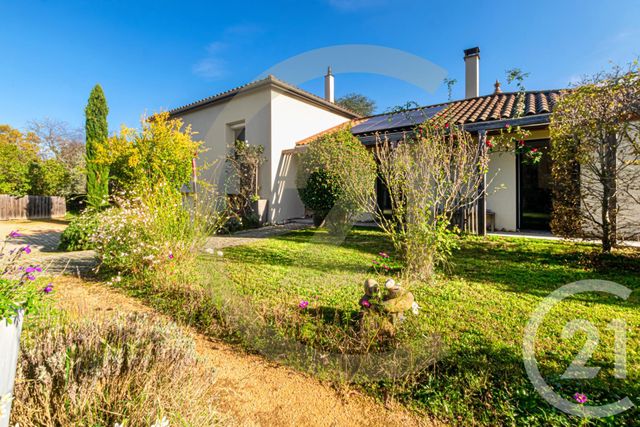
(96, 133)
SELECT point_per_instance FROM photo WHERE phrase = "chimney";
(472, 72)
(328, 86)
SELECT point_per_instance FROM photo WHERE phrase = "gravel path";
(249, 391)
(43, 238)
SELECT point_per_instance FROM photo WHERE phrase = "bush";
(129, 370)
(337, 174)
(153, 232)
(319, 194)
(78, 234)
(161, 151)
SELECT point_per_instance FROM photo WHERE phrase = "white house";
(271, 113)
(283, 118)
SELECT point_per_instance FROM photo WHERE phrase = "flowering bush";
(147, 233)
(19, 287)
(77, 235)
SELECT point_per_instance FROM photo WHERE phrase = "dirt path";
(250, 390)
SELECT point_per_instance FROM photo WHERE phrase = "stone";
(370, 287)
(401, 301)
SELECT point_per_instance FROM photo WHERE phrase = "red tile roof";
(500, 106)
(497, 106)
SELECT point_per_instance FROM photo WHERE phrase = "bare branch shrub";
(429, 176)
(595, 141)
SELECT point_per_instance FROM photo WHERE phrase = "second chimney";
(472, 72)
(328, 86)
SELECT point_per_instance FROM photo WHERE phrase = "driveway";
(43, 237)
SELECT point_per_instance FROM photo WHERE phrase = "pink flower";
(386, 267)
(580, 397)
(446, 125)
(31, 277)
(383, 254)
(365, 303)
(303, 304)
(26, 249)
(33, 269)
(170, 255)
(534, 150)
(48, 288)
(507, 126)
(14, 234)
(521, 142)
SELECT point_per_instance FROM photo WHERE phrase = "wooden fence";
(31, 207)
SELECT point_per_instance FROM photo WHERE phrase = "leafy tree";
(595, 141)
(357, 103)
(319, 194)
(161, 151)
(97, 132)
(49, 178)
(58, 141)
(18, 152)
(337, 168)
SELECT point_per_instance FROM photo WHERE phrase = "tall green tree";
(96, 130)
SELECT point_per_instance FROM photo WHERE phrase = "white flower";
(164, 422)
(118, 425)
(415, 308)
(209, 250)
(220, 253)
(5, 404)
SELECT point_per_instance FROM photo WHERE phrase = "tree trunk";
(609, 198)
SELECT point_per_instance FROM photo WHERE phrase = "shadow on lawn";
(482, 383)
(538, 268)
(310, 249)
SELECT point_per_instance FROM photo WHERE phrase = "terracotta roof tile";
(497, 106)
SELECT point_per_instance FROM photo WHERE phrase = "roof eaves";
(269, 80)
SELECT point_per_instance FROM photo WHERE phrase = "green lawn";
(474, 312)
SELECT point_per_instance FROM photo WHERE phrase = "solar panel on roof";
(396, 120)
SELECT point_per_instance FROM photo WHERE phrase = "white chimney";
(472, 72)
(328, 86)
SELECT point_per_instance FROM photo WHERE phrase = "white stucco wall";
(272, 118)
(213, 126)
(292, 119)
(502, 192)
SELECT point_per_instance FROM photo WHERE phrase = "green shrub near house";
(337, 175)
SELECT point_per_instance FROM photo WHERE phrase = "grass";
(469, 330)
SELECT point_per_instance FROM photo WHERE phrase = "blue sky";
(154, 55)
